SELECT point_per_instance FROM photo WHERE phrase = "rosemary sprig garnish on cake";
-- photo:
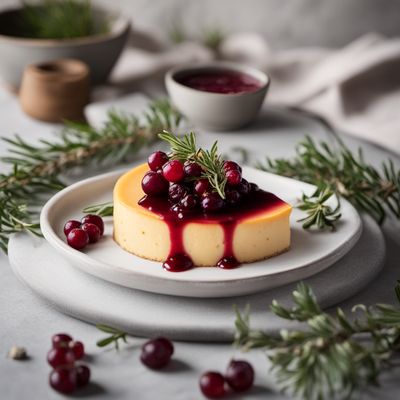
(333, 356)
(319, 213)
(345, 173)
(185, 149)
(36, 169)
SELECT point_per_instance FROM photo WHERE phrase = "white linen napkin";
(356, 88)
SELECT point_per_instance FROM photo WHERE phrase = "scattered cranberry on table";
(82, 375)
(60, 356)
(212, 385)
(60, 340)
(157, 353)
(63, 380)
(66, 375)
(78, 349)
(239, 375)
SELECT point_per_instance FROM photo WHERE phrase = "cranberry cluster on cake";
(189, 207)
(188, 189)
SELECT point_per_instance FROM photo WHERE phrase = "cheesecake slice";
(151, 226)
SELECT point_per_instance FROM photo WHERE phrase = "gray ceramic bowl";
(100, 51)
(216, 111)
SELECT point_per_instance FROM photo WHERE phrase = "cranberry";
(212, 385)
(244, 187)
(176, 192)
(202, 186)
(60, 340)
(167, 344)
(94, 219)
(71, 224)
(82, 375)
(78, 349)
(78, 238)
(231, 165)
(92, 231)
(233, 177)
(232, 196)
(189, 202)
(239, 375)
(156, 353)
(254, 187)
(212, 202)
(156, 160)
(192, 169)
(154, 184)
(60, 356)
(173, 171)
(63, 380)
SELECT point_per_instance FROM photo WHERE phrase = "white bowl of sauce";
(217, 96)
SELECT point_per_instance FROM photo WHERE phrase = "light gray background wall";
(285, 23)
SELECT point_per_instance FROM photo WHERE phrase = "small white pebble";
(17, 353)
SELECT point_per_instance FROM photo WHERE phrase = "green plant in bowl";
(59, 19)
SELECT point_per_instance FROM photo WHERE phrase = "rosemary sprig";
(36, 169)
(115, 335)
(319, 214)
(185, 148)
(347, 174)
(59, 19)
(14, 218)
(334, 356)
(103, 209)
(210, 37)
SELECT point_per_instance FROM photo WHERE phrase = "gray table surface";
(26, 321)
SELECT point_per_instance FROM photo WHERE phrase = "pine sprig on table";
(185, 148)
(36, 169)
(333, 356)
(345, 173)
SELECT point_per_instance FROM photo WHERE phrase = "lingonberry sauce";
(225, 82)
(257, 202)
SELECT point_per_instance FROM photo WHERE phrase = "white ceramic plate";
(310, 251)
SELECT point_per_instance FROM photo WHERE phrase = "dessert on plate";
(192, 208)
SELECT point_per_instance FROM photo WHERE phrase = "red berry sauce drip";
(225, 82)
(255, 203)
